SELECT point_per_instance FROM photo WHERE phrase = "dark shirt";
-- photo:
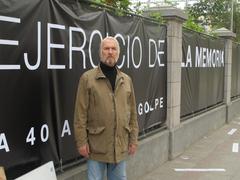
(110, 73)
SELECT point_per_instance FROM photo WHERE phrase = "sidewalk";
(215, 157)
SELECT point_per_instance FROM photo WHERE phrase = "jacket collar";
(99, 74)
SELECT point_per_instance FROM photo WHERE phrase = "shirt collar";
(100, 74)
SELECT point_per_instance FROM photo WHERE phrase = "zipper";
(115, 117)
(115, 128)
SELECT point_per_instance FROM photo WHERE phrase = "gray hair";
(109, 38)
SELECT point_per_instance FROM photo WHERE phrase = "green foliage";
(121, 6)
(215, 14)
(157, 16)
(236, 24)
(193, 25)
(138, 9)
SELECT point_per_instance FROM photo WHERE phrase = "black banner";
(45, 46)
(235, 81)
(202, 72)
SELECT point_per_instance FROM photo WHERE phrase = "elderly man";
(105, 124)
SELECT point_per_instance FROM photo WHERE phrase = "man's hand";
(132, 149)
(84, 151)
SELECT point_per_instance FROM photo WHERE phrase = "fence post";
(174, 18)
(228, 36)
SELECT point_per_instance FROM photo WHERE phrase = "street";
(215, 157)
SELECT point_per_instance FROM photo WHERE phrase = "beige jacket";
(104, 119)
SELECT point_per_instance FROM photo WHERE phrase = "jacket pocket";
(125, 139)
(127, 128)
(96, 140)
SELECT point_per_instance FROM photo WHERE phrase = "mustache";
(110, 58)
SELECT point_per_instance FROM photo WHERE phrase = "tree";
(236, 22)
(215, 14)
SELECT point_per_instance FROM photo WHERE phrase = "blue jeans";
(96, 170)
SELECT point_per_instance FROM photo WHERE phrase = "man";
(105, 124)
